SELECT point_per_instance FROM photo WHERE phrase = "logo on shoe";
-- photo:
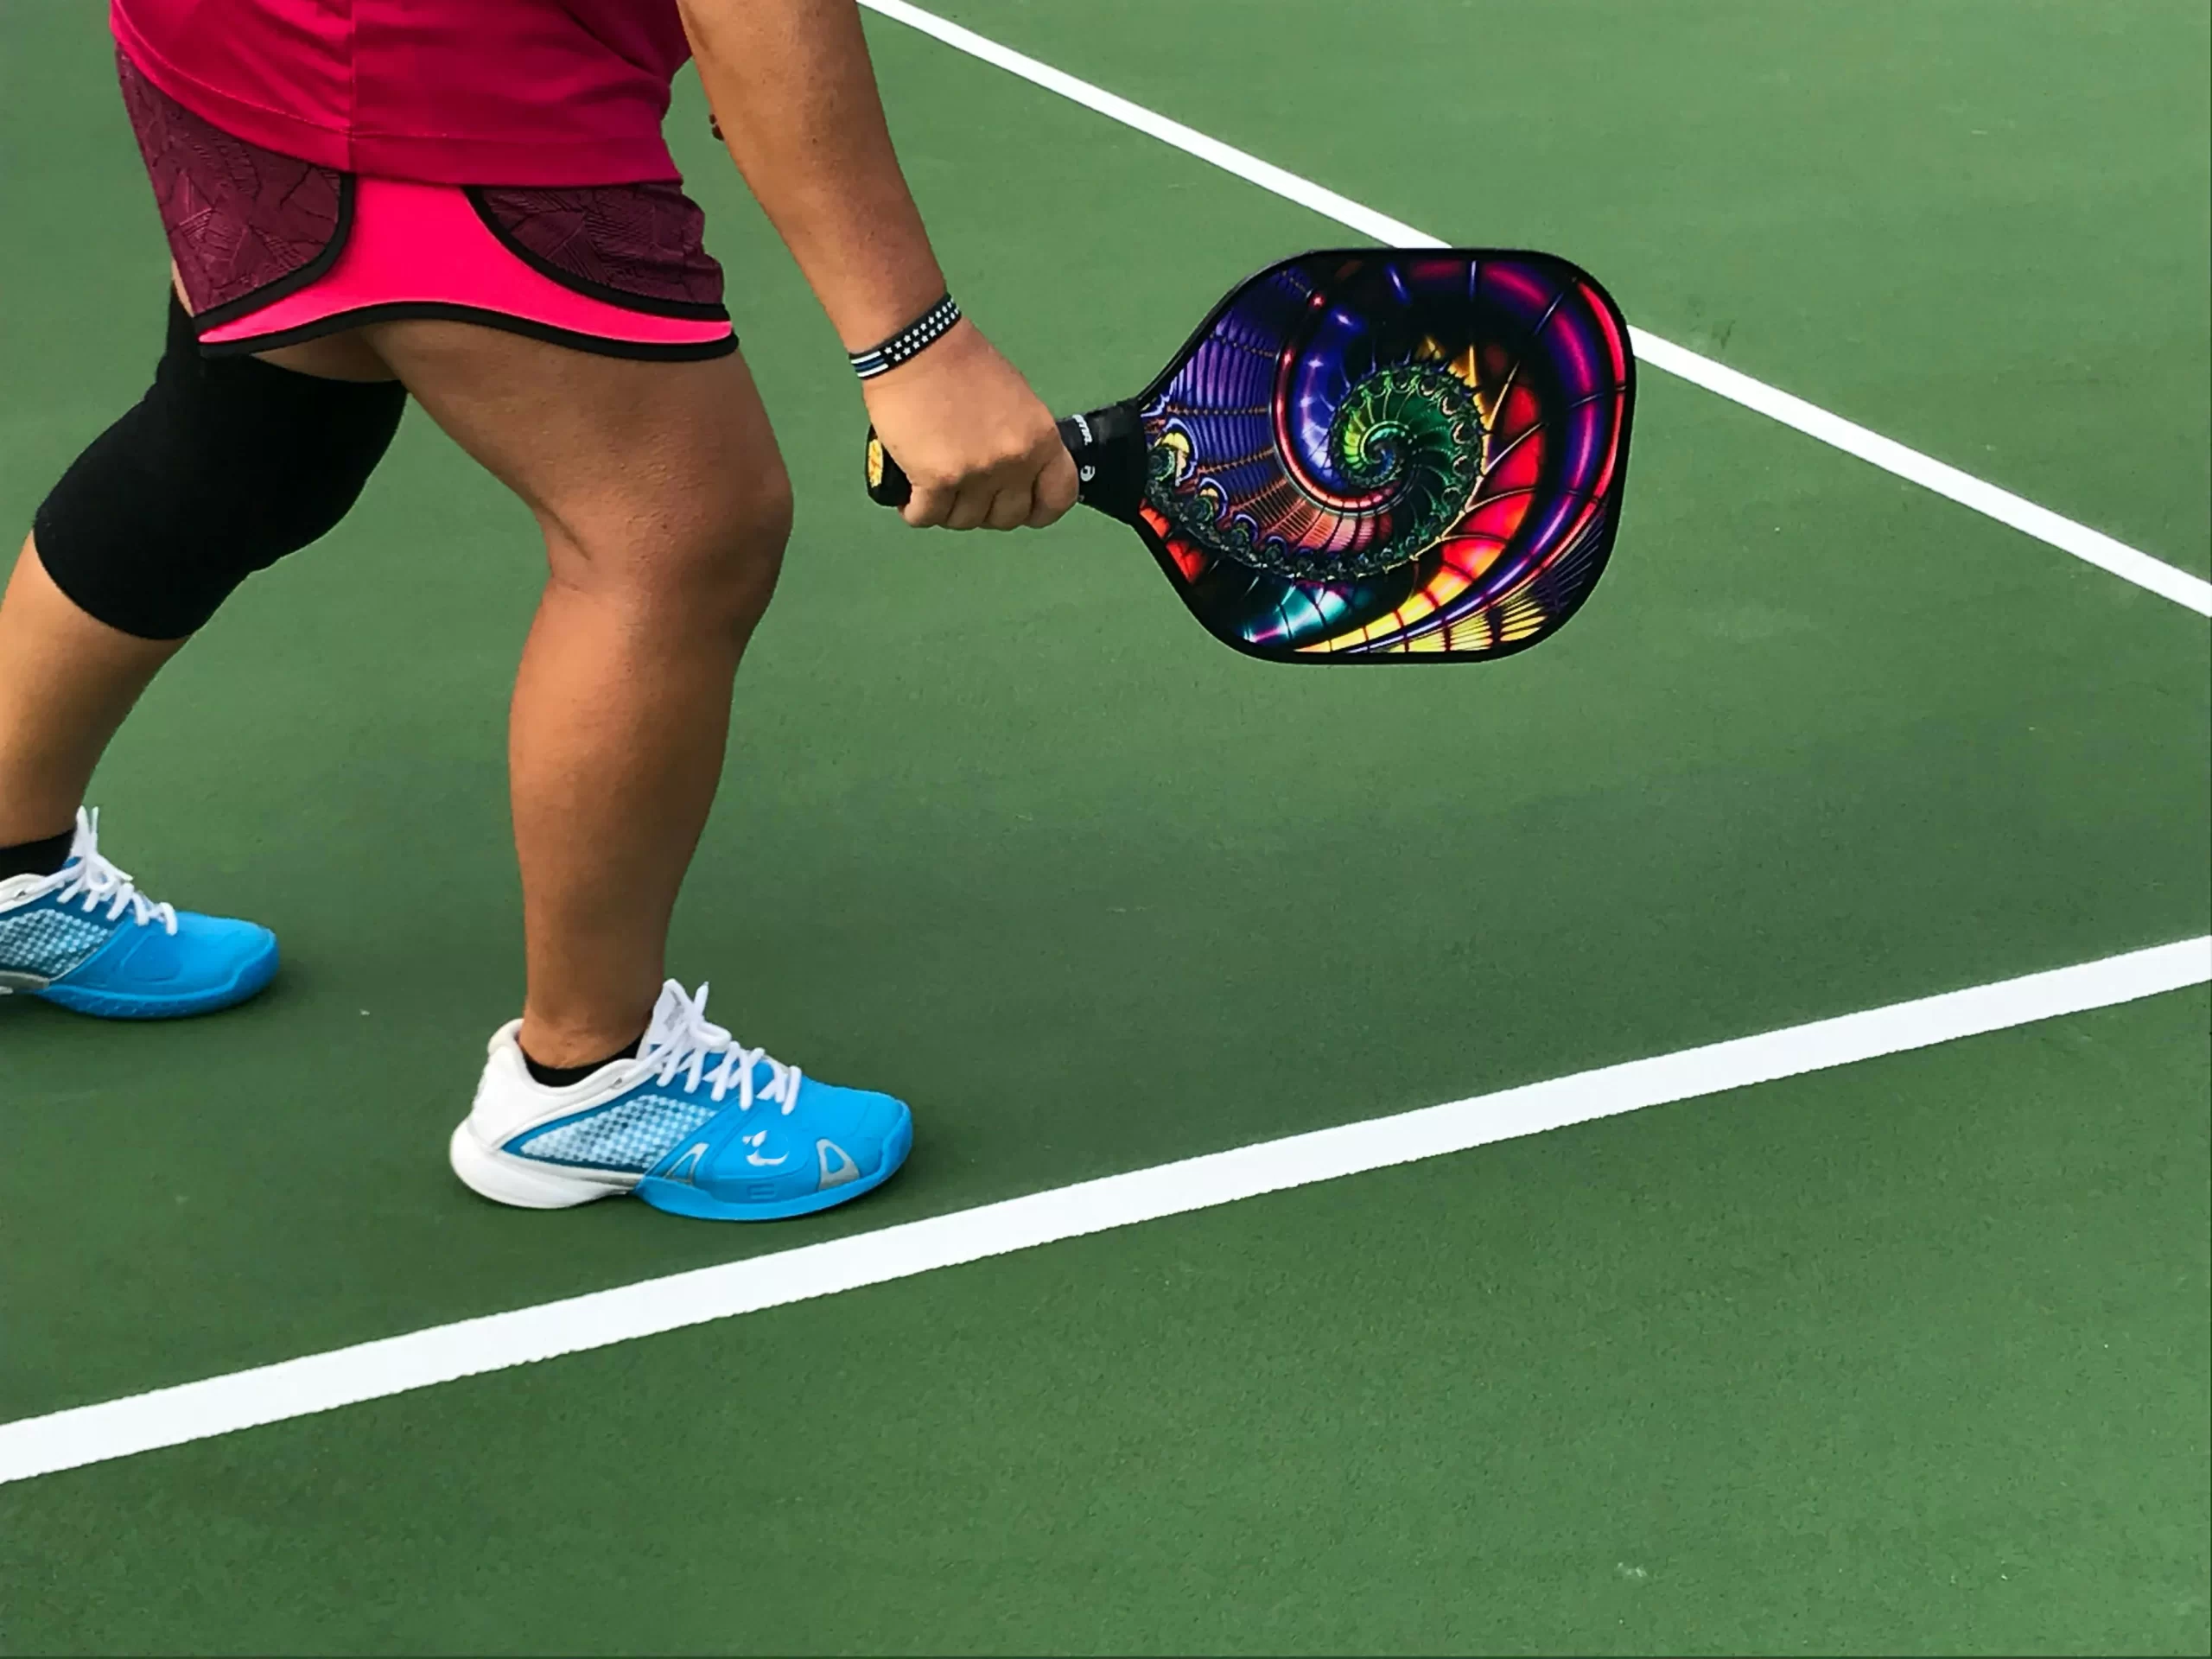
(756, 1141)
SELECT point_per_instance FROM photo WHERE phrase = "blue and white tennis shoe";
(86, 937)
(697, 1124)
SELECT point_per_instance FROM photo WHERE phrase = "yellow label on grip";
(875, 462)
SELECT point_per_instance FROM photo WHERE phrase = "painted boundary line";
(2093, 547)
(420, 1359)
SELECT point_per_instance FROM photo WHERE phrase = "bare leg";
(66, 683)
(665, 507)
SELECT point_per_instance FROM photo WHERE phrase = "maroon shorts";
(271, 251)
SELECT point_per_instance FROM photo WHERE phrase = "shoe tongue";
(671, 1006)
(676, 1017)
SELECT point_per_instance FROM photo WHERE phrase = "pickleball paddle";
(1374, 455)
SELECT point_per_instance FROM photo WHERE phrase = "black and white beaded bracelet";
(916, 337)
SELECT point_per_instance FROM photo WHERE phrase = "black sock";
(560, 1076)
(36, 857)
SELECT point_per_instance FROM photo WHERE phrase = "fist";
(978, 445)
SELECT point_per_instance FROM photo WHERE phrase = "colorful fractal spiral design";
(1392, 455)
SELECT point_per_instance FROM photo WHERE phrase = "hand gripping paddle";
(1374, 455)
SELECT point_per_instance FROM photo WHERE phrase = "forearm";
(794, 93)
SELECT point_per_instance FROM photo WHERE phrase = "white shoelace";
(681, 1038)
(91, 879)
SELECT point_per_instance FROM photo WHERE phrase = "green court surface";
(1910, 1356)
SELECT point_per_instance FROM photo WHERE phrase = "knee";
(709, 557)
(223, 468)
(722, 563)
(744, 550)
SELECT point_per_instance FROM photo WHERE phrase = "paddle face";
(1391, 455)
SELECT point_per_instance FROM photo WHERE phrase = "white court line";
(2092, 546)
(372, 1370)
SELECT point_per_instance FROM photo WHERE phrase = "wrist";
(897, 291)
(908, 341)
(957, 354)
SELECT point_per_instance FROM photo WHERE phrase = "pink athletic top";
(444, 91)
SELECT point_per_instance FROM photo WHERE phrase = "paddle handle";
(1108, 447)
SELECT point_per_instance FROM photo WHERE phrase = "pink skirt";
(271, 251)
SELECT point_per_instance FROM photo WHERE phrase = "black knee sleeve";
(226, 466)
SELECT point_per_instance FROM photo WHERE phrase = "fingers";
(1003, 498)
(1010, 508)
(1056, 489)
(994, 500)
(986, 502)
(927, 504)
(1031, 494)
(973, 505)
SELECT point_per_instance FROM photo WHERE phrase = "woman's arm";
(794, 94)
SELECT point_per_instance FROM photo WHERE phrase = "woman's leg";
(665, 507)
(66, 681)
